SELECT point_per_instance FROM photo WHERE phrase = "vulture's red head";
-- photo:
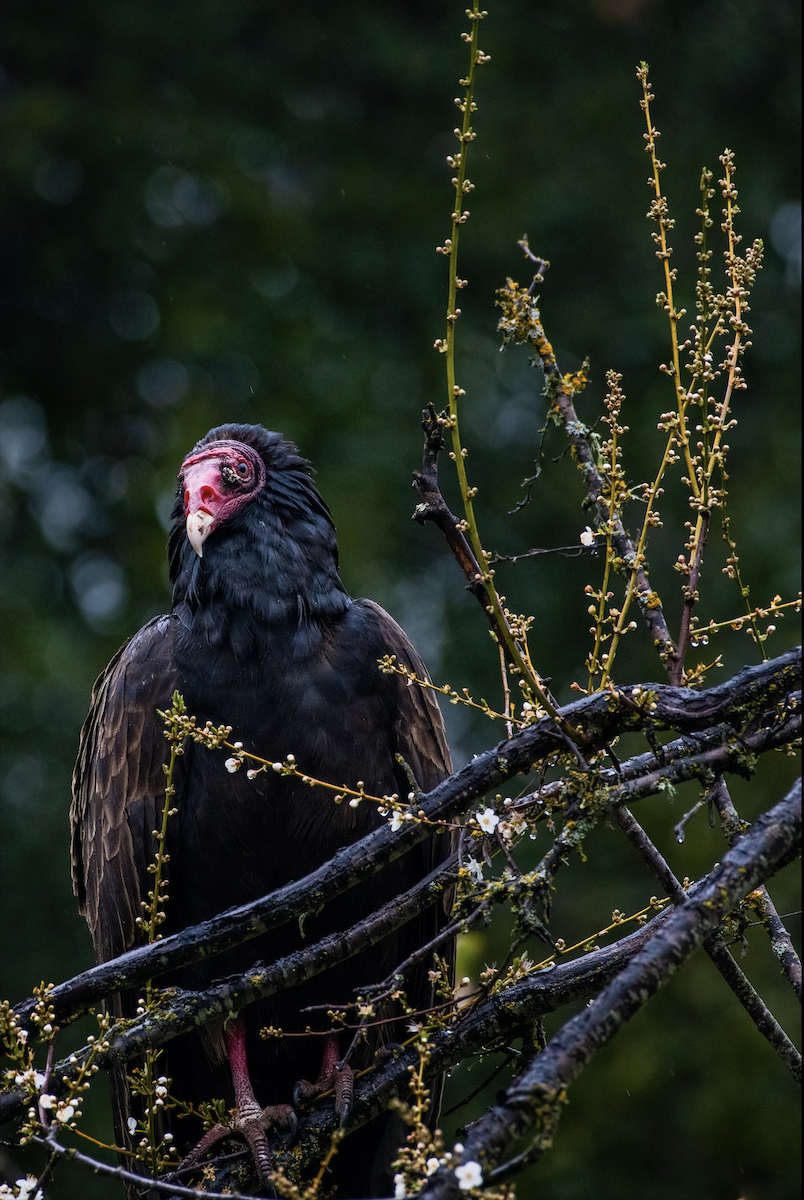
(216, 481)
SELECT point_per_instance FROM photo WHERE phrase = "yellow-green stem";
(664, 253)
(517, 654)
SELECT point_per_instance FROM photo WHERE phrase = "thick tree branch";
(188, 1009)
(583, 814)
(500, 1016)
(182, 1010)
(753, 700)
(737, 702)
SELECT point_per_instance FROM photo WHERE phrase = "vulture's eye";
(241, 472)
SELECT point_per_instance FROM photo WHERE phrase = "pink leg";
(252, 1120)
(249, 1112)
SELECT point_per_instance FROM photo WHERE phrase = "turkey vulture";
(261, 636)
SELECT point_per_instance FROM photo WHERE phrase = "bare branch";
(533, 1103)
(781, 942)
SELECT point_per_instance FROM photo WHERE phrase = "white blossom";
(514, 826)
(488, 820)
(475, 869)
(132, 1125)
(588, 537)
(31, 1077)
(396, 821)
(399, 1187)
(232, 765)
(432, 1165)
(469, 1176)
(26, 1189)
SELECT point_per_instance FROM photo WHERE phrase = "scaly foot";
(250, 1119)
(334, 1074)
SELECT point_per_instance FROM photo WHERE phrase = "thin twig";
(780, 939)
(157, 1185)
(781, 942)
(478, 580)
(750, 999)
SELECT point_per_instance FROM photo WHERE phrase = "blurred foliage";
(229, 212)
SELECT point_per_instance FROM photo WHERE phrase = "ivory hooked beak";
(199, 526)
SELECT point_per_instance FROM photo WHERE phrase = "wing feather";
(118, 786)
(419, 726)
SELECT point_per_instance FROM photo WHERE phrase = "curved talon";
(253, 1130)
(304, 1091)
(344, 1090)
(198, 1151)
(254, 1125)
(281, 1116)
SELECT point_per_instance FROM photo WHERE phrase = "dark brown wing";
(419, 731)
(420, 735)
(119, 785)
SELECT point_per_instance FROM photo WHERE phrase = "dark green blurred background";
(228, 211)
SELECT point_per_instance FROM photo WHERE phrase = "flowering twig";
(521, 322)
(389, 666)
